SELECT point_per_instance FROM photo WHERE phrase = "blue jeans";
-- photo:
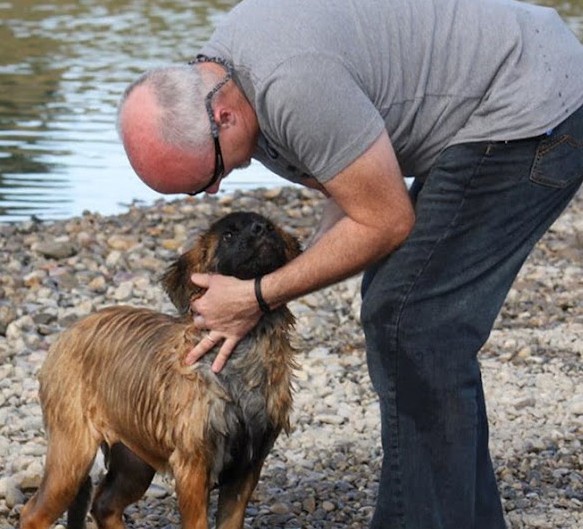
(428, 309)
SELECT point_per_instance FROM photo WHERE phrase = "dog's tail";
(77, 513)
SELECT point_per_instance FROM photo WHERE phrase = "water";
(63, 66)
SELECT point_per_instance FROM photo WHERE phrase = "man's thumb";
(201, 280)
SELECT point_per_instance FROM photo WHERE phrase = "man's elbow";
(404, 227)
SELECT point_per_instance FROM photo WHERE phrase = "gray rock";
(55, 249)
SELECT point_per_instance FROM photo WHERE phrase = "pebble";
(10, 493)
(157, 491)
(55, 249)
(324, 475)
(328, 506)
(124, 291)
(279, 508)
(309, 504)
(576, 405)
(526, 402)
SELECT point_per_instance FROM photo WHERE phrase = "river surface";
(63, 67)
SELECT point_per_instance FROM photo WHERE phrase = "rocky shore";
(323, 475)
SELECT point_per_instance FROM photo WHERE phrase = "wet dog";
(116, 379)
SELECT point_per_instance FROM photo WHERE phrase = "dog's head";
(242, 244)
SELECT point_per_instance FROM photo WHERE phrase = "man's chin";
(244, 165)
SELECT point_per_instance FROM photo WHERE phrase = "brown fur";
(117, 379)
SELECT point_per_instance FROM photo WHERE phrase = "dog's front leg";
(233, 499)
(191, 474)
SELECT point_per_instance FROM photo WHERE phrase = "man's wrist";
(263, 305)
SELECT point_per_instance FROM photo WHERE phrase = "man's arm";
(378, 216)
(331, 214)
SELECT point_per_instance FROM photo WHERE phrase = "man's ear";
(225, 117)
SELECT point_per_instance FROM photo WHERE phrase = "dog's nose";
(259, 227)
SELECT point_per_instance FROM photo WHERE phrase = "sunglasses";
(219, 171)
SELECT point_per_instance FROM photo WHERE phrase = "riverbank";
(324, 474)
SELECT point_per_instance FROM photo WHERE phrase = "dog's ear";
(292, 245)
(177, 284)
(176, 280)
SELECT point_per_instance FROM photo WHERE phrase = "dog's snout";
(259, 227)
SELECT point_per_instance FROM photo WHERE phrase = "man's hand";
(374, 215)
(228, 319)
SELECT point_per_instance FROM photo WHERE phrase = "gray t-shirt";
(326, 76)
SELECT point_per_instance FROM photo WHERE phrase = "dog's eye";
(227, 236)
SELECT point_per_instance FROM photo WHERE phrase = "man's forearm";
(331, 214)
(345, 249)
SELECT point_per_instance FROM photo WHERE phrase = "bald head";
(165, 129)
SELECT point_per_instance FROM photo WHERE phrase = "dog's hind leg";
(233, 499)
(126, 481)
(78, 509)
(68, 462)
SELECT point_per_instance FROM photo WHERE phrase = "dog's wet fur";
(117, 379)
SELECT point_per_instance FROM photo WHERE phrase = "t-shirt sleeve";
(314, 109)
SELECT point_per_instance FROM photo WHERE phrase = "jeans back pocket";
(558, 161)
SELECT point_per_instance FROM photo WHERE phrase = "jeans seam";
(462, 202)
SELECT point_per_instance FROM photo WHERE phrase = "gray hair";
(180, 92)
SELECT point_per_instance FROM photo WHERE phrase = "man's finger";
(198, 351)
(223, 356)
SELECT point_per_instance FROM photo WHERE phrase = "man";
(480, 100)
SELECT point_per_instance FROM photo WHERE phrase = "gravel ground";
(324, 474)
